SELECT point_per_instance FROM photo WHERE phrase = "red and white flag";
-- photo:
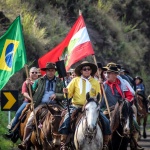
(73, 48)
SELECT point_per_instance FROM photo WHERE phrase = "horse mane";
(115, 118)
(124, 111)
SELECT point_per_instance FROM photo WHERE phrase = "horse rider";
(68, 77)
(115, 88)
(125, 75)
(33, 75)
(47, 89)
(140, 89)
(77, 89)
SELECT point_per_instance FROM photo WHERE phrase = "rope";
(119, 134)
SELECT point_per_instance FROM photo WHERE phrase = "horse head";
(92, 109)
(125, 116)
(55, 118)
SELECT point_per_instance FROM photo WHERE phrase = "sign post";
(9, 100)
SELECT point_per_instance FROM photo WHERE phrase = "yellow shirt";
(74, 90)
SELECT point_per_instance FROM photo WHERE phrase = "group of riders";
(85, 78)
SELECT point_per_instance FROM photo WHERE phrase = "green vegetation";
(5, 144)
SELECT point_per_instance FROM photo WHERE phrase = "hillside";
(119, 30)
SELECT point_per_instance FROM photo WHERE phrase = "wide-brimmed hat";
(49, 65)
(85, 63)
(138, 77)
(111, 67)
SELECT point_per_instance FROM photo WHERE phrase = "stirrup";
(22, 146)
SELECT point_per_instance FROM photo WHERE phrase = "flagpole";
(32, 105)
(101, 85)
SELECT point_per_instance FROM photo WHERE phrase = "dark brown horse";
(121, 125)
(24, 118)
(143, 114)
(48, 128)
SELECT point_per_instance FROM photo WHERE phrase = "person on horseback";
(77, 89)
(48, 89)
(140, 89)
(115, 88)
(33, 75)
(68, 77)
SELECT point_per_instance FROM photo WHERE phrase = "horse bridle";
(88, 134)
(50, 143)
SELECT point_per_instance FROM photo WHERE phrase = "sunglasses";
(34, 72)
(84, 69)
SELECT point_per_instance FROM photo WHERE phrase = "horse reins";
(122, 136)
(50, 143)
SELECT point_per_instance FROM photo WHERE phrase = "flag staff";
(32, 105)
(101, 85)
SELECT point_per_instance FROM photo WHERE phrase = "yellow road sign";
(11, 100)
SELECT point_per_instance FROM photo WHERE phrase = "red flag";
(73, 48)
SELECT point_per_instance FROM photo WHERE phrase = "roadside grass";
(4, 143)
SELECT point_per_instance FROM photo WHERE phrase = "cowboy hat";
(111, 67)
(49, 65)
(138, 77)
(85, 63)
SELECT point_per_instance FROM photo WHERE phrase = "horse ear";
(87, 96)
(98, 97)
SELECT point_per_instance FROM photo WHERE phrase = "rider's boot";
(105, 142)
(63, 142)
(26, 137)
(9, 135)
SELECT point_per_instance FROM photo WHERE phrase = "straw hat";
(85, 63)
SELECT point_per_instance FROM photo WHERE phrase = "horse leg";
(139, 123)
(144, 127)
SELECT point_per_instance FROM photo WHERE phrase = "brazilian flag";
(12, 52)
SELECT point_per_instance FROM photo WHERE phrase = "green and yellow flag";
(12, 52)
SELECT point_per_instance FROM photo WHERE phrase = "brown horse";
(143, 114)
(48, 129)
(121, 125)
(26, 113)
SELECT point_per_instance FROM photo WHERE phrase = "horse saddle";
(74, 117)
(105, 112)
(24, 113)
(43, 110)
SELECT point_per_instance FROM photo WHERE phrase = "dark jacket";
(39, 88)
